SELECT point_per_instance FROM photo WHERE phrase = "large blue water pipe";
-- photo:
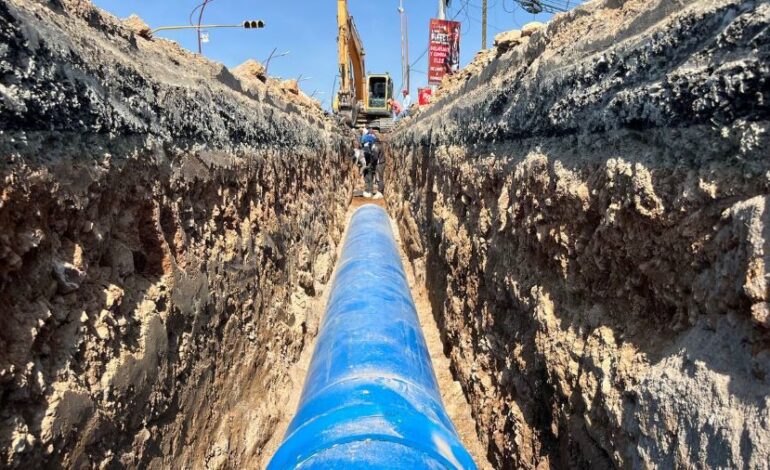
(371, 399)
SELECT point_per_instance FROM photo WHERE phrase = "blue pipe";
(371, 399)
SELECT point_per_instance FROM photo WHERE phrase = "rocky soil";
(589, 209)
(164, 228)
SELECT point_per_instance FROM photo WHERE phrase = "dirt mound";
(531, 28)
(138, 26)
(164, 227)
(254, 76)
(590, 207)
(252, 69)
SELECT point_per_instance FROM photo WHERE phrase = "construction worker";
(375, 165)
(368, 137)
(395, 109)
(358, 156)
(379, 170)
(407, 102)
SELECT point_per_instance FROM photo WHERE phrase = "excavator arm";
(351, 62)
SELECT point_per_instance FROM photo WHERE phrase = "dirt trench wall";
(164, 227)
(589, 210)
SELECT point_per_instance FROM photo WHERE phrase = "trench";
(580, 213)
(452, 395)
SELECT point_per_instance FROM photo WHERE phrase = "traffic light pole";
(245, 25)
(200, 20)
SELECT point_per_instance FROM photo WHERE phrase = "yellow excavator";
(362, 100)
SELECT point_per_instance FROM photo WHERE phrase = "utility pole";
(483, 24)
(442, 9)
(405, 72)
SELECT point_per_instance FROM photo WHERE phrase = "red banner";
(444, 49)
(424, 95)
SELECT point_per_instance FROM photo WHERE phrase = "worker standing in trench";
(375, 164)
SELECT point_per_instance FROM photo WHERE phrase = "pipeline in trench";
(372, 365)
(582, 211)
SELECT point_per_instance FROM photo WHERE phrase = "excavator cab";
(380, 90)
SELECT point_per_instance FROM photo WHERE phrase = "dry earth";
(588, 205)
(164, 227)
(584, 208)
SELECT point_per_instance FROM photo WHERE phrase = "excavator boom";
(360, 98)
(351, 62)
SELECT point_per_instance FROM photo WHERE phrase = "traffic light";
(253, 24)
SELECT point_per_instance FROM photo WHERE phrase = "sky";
(308, 30)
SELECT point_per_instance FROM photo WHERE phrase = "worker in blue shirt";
(368, 137)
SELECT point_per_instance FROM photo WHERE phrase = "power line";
(548, 6)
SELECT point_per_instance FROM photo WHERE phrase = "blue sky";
(308, 28)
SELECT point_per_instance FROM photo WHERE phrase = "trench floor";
(451, 391)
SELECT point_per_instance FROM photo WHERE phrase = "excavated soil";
(164, 230)
(452, 395)
(582, 213)
(588, 207)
